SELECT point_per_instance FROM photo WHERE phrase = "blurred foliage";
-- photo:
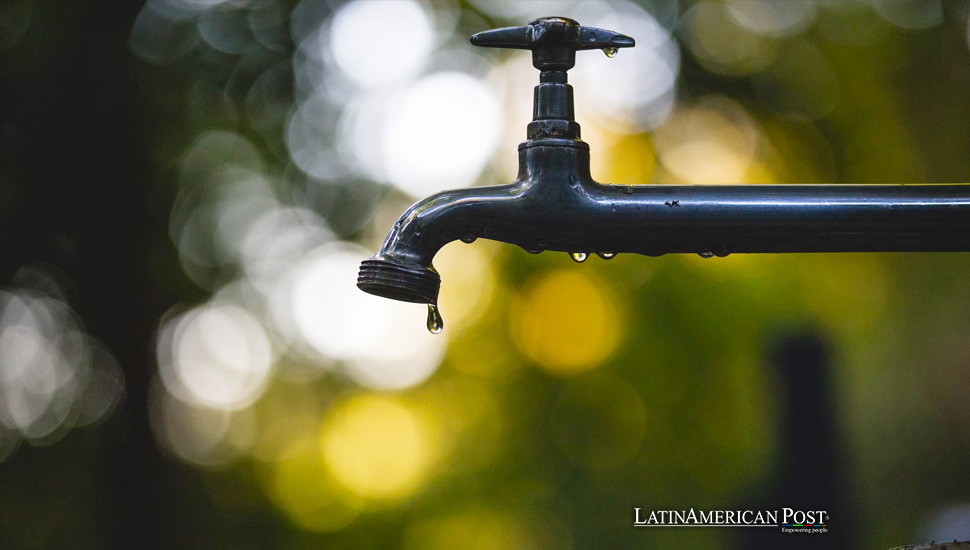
(561, 396)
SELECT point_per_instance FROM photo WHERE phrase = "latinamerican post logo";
(789, 520)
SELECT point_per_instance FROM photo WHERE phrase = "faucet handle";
(553, 41)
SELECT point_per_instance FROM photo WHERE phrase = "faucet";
(554, 204)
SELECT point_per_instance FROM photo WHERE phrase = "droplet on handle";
(435, 323)
(578, 257)
(606, 255)
(611, 52)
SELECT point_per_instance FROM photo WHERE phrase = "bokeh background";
(188, 186)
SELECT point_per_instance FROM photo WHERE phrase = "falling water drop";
(705, 255)
(469, 238)
(610, 52)
(606, 255)
(578, 257)
(435, 323)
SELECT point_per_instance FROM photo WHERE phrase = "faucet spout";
(402, 268)
(531, 212)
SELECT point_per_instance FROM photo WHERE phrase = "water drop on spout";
(435, 323)
(578, 257)
(606, 255)
(705, 255)
(610, 52)
(468, 239)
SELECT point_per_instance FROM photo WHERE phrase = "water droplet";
(435, 323)
(628, 189)
(606, 255)
(469, 238)
(613, 207)
(705, 255)
(578, 257)
(610, 52)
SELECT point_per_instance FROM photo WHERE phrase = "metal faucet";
(554, 203)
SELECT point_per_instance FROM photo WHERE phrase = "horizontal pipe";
(573, 213)
(555, 205)
(778, 218)
(660, 219)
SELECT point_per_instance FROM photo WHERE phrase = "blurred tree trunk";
(77, 189)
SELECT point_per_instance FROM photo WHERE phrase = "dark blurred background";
(188, 186)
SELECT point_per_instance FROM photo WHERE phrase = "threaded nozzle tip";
(399, 282)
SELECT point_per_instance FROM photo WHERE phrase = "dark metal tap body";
(554, 204)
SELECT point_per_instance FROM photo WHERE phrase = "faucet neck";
(552, 108)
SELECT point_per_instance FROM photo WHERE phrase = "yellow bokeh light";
(302, 487)
(566, 322)
(619, 158)
(377, 447)
(713, 142)
(630, 160)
